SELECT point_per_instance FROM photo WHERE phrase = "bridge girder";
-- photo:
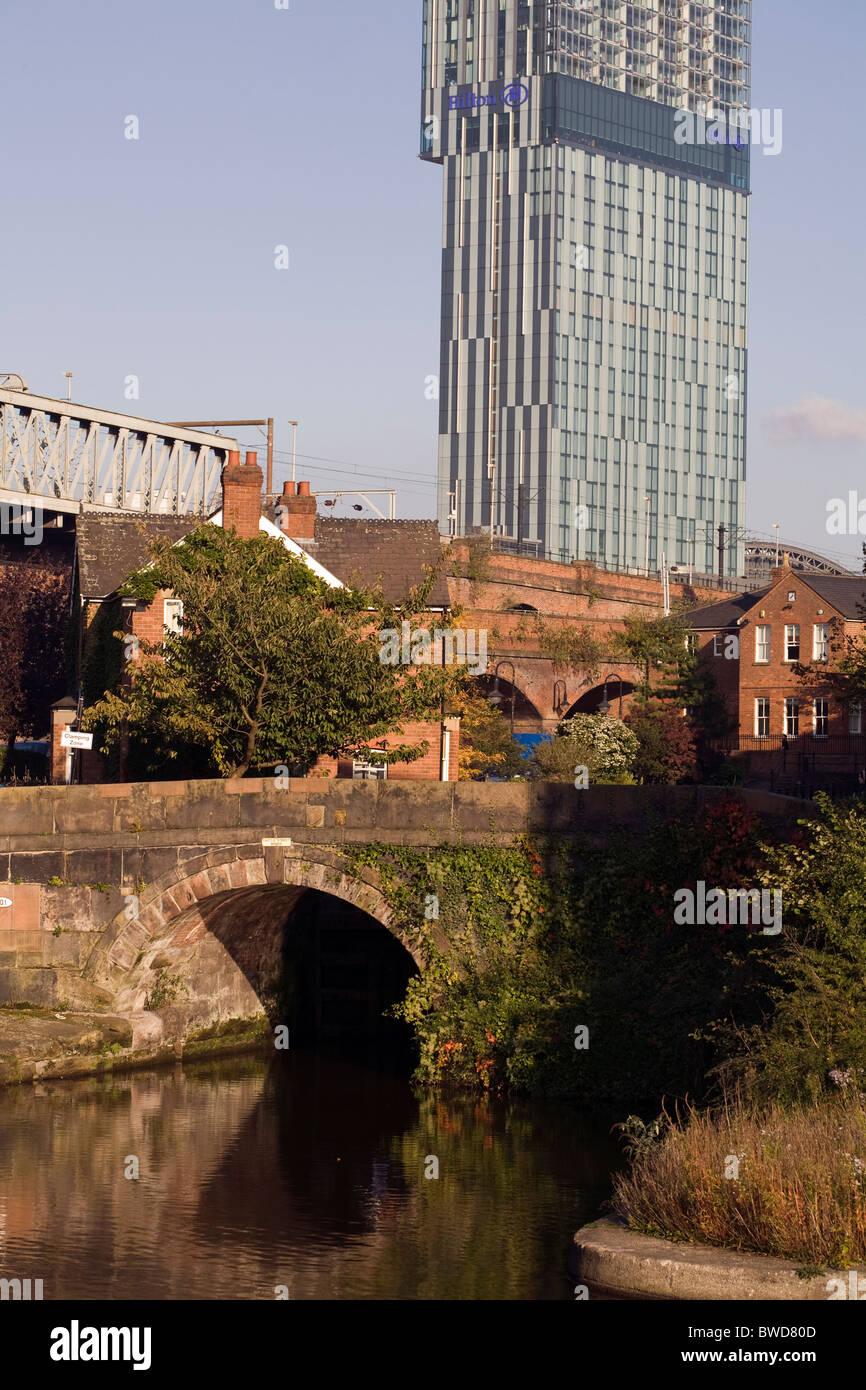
(58, 455)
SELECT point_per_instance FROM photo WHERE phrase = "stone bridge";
(171, 903)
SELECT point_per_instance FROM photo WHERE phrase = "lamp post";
(604, 707)
(496, 697)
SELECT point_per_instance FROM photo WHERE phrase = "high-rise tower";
(594, 274)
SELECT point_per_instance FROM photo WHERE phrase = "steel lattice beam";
(61, 455)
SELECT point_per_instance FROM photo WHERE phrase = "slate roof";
(111, 545)
(390, 554)
(724, 614)
(843, 592)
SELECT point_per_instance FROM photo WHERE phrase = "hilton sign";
(515, 95)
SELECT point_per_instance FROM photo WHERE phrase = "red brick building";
(395, 556)
(789, 733)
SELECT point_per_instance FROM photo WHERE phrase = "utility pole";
(776, 528)
(721, 551)
(68, 376)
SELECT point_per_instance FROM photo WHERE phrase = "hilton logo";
(515, 95)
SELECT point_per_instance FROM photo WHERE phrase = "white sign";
(5, 902)
(71, 739)
(275, 844)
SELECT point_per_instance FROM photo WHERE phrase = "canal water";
(292, 1175)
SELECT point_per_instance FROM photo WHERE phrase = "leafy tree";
(272, 667)
(667, 750)
(656, 645)
(486, 744)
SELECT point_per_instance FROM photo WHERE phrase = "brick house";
(110, 546)
(789, 734)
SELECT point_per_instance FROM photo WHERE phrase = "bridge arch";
(205, 943)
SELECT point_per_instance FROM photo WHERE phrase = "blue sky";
(262, 127)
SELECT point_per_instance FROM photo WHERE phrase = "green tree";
(272, 667)
(656, 645)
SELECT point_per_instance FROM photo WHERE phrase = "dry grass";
(800, 1193)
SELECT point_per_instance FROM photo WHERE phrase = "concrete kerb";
(614, 1259)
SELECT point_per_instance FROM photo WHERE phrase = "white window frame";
(762, 716)
(369, 772)
(792, 642)
(175, 624)
(791, 700)
(855, 718)
(824, 653)
(761, 646)
(821, 700)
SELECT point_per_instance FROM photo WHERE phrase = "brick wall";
(424, 769)
(564, 596)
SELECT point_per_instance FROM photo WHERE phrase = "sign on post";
(71, 738)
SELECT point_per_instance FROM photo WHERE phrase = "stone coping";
(617, 1260)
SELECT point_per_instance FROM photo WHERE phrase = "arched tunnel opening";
(304, 956)
(342, 974)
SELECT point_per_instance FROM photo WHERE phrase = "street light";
(604, 706)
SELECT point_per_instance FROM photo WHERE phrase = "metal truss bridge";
(59, 456)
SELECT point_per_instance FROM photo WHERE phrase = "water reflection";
(294, 1171)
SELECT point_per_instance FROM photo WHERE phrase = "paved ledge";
(616, 1260)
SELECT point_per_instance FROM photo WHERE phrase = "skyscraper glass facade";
(594, 274)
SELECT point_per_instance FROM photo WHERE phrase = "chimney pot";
(252, 459)
(303, 489)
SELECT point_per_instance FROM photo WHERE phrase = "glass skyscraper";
(594, 274)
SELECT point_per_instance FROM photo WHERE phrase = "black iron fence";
(811, 745)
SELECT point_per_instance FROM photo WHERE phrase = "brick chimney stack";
(296, 512)
(779, 571)
(242, 494)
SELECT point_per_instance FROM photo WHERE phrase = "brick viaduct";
(109, 885)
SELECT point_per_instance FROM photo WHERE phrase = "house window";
(821, 717)
(172, 615)
(855, 719)
(762, 643)
(369, 772)
(762, 717)
(792, 596)
(792, 642)
(821, 642)
(792, 717)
